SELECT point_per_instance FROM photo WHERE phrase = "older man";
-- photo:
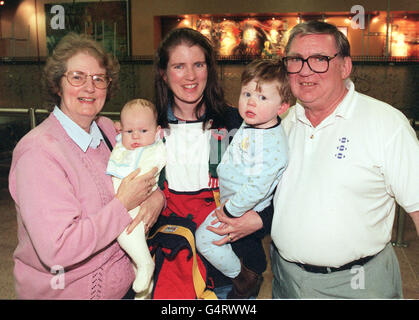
(352, 158)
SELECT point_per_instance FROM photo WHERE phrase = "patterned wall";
(20, 88)
(395, 84)
(20, 85)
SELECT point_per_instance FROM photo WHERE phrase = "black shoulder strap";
(108, 143)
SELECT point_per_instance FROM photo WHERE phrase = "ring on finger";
(230, 238)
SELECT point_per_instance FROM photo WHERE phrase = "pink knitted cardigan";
(68, 218)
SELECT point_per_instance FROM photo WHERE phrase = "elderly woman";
(68, 214)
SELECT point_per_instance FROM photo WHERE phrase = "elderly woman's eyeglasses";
(79, 78)
(316, 63)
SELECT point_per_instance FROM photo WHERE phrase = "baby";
(138, 145)
(250, 168)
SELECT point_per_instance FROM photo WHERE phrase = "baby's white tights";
(135, 245)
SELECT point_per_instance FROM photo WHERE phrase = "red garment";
(173, 255)
(175, 277)
(189, 203)
(175, 280)
(199, 206)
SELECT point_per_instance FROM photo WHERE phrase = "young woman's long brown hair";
(213, 99)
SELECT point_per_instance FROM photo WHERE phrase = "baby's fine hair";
(268, 70)
(140, 103)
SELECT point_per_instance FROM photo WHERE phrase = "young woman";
(191, 105)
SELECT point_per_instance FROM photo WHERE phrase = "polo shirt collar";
(343, 110)
(83, 139)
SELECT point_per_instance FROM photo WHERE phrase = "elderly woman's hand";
(118, 126)
(235, 228)
(134, 190)
(149, 211)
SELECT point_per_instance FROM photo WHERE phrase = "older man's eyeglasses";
(79, 78)
(316, 63)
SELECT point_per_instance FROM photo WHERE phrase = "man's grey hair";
(319, 27)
